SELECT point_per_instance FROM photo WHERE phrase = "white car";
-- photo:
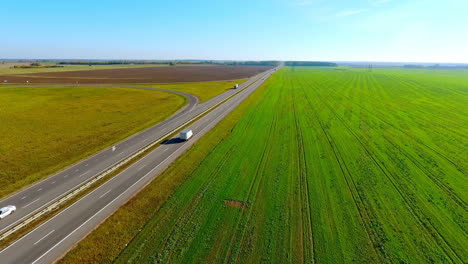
(7, 210)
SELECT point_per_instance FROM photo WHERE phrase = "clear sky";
(338, 30)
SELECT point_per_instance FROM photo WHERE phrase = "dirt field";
(7, 64)
(141, 75)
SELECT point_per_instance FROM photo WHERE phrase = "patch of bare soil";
(141, 75)
(237, 204)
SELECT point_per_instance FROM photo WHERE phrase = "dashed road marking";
(83, 174)
(104, 194)
(30, 203)
(44, 237)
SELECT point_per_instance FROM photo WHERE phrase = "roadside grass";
(46, 129)
(65, 68)
(332, 167)
(36, 223)
(119, 229)
(203, 90)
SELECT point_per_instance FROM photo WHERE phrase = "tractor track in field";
(191, 209)
(304, 184)
(182, 220)
(443, 186)
(414, 209)
(415, 139)
(447, 190)
(362, 210)
(251, 197)
(433, 178)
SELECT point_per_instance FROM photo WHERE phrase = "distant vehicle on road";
(6, 211)
(186, 134)
(236, 86)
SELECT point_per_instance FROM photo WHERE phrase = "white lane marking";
(83, 174)
(142, 167)
(52, 182)
(104, 194)
(86, 165)
(65, 176)
(165, 149)
(40, 189)
(141, 160)
(77, 170)
(40, 257)
(24, 197)
(145, 139)
(30, 203)
(89, 219)
(44, 237)
(120, 153)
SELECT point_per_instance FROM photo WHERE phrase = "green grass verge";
(126, 223)
(328, 167)
(203, 90)
(46, 129)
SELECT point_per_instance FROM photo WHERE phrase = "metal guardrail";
(67, 196)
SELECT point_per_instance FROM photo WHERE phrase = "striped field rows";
(328, 166)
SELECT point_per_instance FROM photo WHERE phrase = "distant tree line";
(311, 63)
(252, 63)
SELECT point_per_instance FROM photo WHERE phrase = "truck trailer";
(186, 134)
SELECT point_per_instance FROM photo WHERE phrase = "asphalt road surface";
(45, 192)
(55, 237)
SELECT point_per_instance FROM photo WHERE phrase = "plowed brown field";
(141, 75)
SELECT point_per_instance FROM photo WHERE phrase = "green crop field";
(327, 167)
(45, 129)
(203, 90)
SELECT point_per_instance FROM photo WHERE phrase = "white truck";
(236, 86)
(186, 134)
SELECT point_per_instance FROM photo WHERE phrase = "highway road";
(55, 237)
(40, 195)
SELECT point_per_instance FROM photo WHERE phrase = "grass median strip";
(325, 166)
(48, 215)
(46, 129)
(123, 225)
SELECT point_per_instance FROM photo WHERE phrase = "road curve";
(55, 237)
(39, 195)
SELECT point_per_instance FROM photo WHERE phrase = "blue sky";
(337, 30)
